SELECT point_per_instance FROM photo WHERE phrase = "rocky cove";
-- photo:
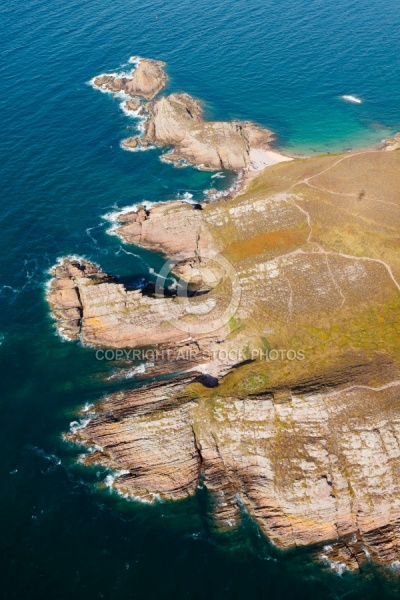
(305, 257)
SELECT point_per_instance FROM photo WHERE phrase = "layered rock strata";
(309, 467)
(291, 411)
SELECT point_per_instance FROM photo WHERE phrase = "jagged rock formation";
(171, 228)
(308, 467)
(145, 81)
(64, 292)
(303, 427)
(177, 120)
(92, 306)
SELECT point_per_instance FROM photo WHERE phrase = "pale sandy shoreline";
(260, 159)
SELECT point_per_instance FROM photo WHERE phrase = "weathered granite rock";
(177, 120)
(322, 466)
(148, 79)
(133, 104)
(132, 142)
(111, 83)
(171, 228)
(145, 81)
(63, 293)
(307, 443)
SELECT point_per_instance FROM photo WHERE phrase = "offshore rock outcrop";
(145, 81)
(177, 120)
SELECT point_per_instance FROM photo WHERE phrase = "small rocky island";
(287, 401)
(177, 120)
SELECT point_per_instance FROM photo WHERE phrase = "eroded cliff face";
(310, 467)
(307, 442)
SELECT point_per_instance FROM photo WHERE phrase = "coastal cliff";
(281, 328)
(310, 466)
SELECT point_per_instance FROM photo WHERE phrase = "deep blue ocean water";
(284, 65)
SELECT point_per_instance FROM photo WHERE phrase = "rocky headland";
(284, 351)
(177, 121)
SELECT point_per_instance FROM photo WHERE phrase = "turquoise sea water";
(284, 65)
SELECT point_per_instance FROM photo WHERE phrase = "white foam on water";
(138, 148)
(8, 289)
(351, 98)
(235, 187)
(75, 426)
(54, 460)
(339, 567)
(138, 370)
(367, 554)
(121, 249)
(186, 197)
(95, 448)
(109, 480)
(135, 60)
(158, 275)
(88, 230)
(180, 163)
(122, 95)
(129, 373)
(112, 217)
(60, 332)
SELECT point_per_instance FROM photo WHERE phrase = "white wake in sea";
(351, 98)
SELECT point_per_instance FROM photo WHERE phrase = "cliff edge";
(289, 404)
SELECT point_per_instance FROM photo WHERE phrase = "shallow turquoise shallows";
(284, 64)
